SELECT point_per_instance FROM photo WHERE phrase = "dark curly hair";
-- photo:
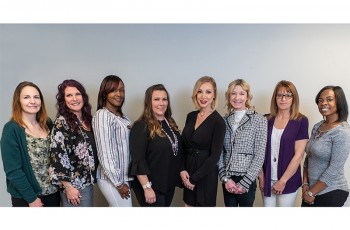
(71, 118)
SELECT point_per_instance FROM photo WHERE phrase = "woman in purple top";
(287, 136)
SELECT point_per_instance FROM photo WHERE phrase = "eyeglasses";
(288, 96)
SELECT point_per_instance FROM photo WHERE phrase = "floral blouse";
(71, 155)
(38, 150)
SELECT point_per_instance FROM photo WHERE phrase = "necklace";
(319, 133)
(174, 144)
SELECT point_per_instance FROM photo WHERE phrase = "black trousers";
(52, 200)
(335, 198)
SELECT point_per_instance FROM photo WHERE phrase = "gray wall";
(309, 55)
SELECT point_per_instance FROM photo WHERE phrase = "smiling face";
(327, 104)
(205, 95)
(238, 98)
(74, 99)
(30, 100)
(159, 103)
(116, 97)
(284, 99)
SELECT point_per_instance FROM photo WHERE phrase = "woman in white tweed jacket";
(244, 146)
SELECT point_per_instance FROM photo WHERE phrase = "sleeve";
(259, 154)
(107, 153)
(139, 136)
(216, 148)
(223, 156)
(12, 161)
(340, 152)
(60, 150)
(304, 129)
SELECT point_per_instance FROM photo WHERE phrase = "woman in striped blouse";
(111, 128)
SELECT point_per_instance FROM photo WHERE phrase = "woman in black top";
(155, 147)
(203, 137)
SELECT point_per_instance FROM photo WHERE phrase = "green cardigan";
(20, 178)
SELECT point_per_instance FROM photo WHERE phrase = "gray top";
(327, 153)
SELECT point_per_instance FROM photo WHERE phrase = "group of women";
(57, 163)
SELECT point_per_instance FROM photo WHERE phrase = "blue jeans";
(241, 200)
(86, 199)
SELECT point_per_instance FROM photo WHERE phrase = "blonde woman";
(244, 146)
(203, 137)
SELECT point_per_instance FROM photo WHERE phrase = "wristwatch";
(225, 180)
(147, 185)
(310, 194)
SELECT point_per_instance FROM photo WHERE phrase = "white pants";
(283, 200)
(112, 195)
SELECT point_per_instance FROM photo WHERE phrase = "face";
(284, 99)
(74, 99)
(327, 104)
(205, 95)
(30, 100)
(159, 103)
(238, 98)
(116, 97)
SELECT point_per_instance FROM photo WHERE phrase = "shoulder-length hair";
(342, 105)
(16, 116)
(246, 87)
(62, 109)
(154, 125)
(196, 87)
(109, 84)
(294, 109)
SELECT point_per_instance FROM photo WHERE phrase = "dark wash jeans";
(241, 200)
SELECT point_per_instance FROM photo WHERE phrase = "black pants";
(52, 200)
(335, 198)
(239, 200)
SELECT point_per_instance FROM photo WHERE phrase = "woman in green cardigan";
(25, 150)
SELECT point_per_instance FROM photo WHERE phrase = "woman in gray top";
(324, 182)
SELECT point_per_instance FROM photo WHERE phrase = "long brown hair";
(16, 116)
(109, 83)
(294, 109)
(148, 116)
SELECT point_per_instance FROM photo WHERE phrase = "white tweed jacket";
(244, 150)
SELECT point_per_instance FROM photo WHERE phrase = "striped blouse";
(112, 142)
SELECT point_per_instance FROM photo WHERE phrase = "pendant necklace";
(174, 144)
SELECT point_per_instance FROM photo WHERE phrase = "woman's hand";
(36, 203)
(73, 195)
(124, 191)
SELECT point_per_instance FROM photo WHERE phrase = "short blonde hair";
(196, 87)
(246, 87)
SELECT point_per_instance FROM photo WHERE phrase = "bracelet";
(67, 186)
(120, 186)
(304, 184)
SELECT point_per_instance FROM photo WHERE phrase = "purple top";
(294, 131)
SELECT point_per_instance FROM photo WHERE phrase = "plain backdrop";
(176, 55)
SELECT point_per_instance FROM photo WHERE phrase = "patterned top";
(326, 157)
(244, 150)
(71, 155)
(38, 150)
(112, 141)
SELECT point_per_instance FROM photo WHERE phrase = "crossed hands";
(234, 188)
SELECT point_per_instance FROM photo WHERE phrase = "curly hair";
(62, 109)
